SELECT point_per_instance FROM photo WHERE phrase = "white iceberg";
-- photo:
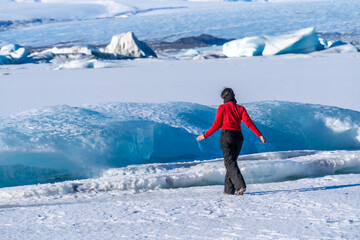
(87, 50)
(127, 44)
(302, 41)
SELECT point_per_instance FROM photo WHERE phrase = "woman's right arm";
(216, 125)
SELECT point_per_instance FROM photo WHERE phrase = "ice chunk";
(337, 43)
(246, 47)
(302, 41)
(14, 54)
(5, 60)
(81, 64)
(87, 50)
(198, 53)
(127, 44)
(9, 48)
(324, 42)
(191, 53)
(341, 48)
(75, 52)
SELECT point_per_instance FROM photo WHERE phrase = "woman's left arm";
(251, 125)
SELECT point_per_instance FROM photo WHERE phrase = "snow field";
(315, 208)
(327, 79)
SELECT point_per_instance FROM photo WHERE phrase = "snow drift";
(302, 41)
(63, 142)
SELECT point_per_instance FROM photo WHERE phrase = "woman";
(228, 117)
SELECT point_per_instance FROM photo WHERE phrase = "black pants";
(231, 143)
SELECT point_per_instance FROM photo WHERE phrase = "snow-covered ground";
(327, 79)
(312, 208)
(80, 112)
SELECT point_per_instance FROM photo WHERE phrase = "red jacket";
(229, 116)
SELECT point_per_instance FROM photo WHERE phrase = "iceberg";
(302, 41)
(245, 47)
(127, 44)
(14, 54)
(62, 142)
(87, 50)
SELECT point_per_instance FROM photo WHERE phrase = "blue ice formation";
(14, 54)
(302, 41)
(63, 142)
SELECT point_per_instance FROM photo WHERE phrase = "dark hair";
(227, 93)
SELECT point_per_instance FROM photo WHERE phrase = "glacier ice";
(302, 41)
(127, 44)
(245, 47)
(343, 48)
(14, 54)
(62, 142)
(87, 50)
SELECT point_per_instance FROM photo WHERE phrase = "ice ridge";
(61, 143)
